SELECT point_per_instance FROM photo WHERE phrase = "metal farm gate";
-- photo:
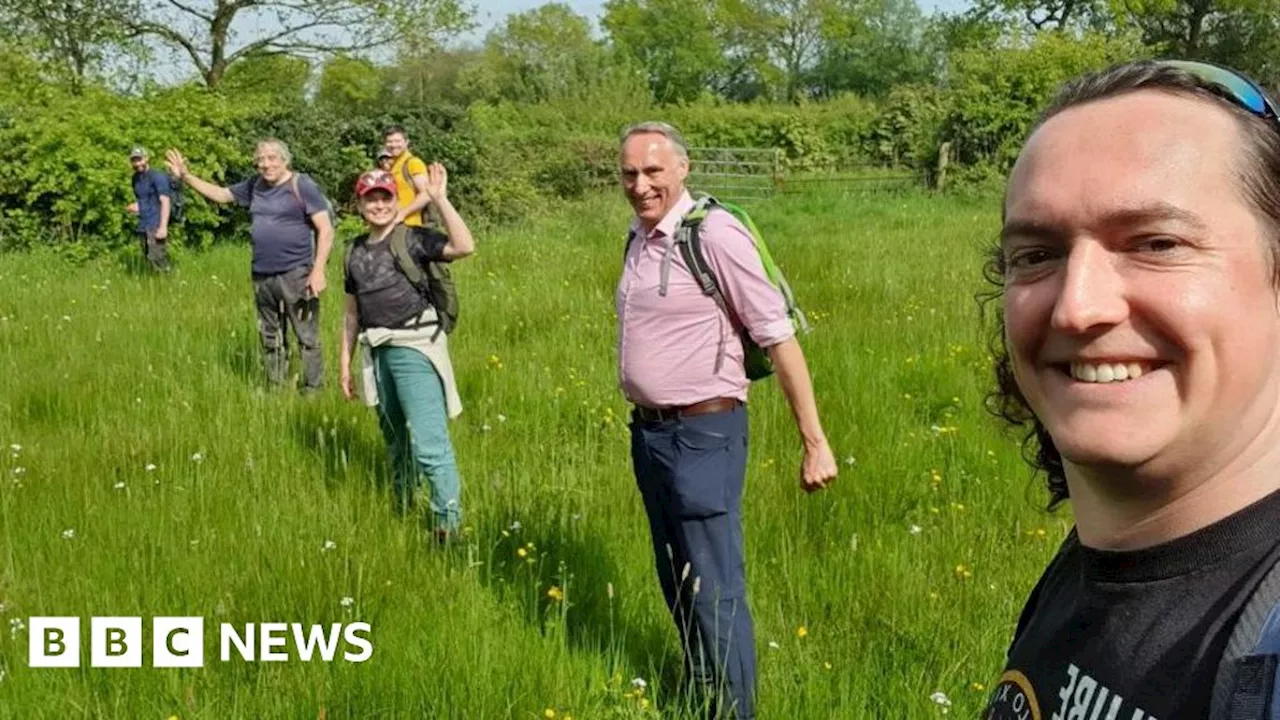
(735, 174)
(747, 174)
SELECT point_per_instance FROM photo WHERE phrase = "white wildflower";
(19, 471)
(914, 529)
(639, 683)
(515, 526)
(68, 534)
(150, 467)
(941, 699)
(348, 601)
(198, 457)
(329, 545)
(773, 645)
(851, 460)
(119, 485)
(66, 318)
(15, 448)
(502, 418)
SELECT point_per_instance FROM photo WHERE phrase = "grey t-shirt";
(281, 231)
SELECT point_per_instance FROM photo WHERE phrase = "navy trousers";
(690, 472)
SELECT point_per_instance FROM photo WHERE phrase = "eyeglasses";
(1243, 91)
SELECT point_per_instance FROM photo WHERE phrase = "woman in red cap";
(399, 310)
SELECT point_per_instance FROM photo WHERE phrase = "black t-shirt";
(384, 296)
(1135, 635)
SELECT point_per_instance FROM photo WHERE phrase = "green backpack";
(688, 240)
(435, 284)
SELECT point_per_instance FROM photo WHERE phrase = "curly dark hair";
(1258, 171)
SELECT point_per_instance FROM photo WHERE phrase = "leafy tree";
(214, 34)
(279, 79)
(548, 54)
(679, 44)
(998, 92)
(872, 46)
(431, 76)
(1054, 14)
(1238, 33)
(793, 31)
(350, 86)
(70, 35)
(542, 53)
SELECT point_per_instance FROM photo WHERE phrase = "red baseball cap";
(375, 180)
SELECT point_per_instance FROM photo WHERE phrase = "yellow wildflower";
(802, 631)
(555, 593)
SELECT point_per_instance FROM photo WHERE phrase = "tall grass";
(151, 474)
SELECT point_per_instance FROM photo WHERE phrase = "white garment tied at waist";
(420, 339)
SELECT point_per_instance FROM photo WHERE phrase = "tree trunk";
(219, 29)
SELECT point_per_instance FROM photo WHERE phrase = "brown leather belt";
(706, 407)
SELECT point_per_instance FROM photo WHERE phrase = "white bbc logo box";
(116, 642)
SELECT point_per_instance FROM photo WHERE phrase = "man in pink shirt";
(681, 364)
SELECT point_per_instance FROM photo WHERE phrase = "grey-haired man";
(288, 209)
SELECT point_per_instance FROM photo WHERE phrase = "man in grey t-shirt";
(288, 210)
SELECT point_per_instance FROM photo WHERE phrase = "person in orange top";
(410, 174)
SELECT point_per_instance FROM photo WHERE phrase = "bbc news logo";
(178, 642)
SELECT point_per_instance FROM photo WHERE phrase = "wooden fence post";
(944, 159)
(777, 170)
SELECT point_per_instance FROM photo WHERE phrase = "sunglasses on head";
(1240, 89)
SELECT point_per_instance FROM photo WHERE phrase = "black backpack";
(177, 203)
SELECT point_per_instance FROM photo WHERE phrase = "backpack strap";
(626, 247)
(297, 195)
(404, 170)
(1246, 686)
(689, 242)
(690, 227)
(398, 244)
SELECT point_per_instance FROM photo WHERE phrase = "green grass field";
(144, 471)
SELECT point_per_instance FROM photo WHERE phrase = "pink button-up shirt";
(667, 346)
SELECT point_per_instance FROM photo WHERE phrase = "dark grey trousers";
(690, 473)
(155, 251)
(283, 300)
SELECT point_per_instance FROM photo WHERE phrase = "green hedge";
(64, 172)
